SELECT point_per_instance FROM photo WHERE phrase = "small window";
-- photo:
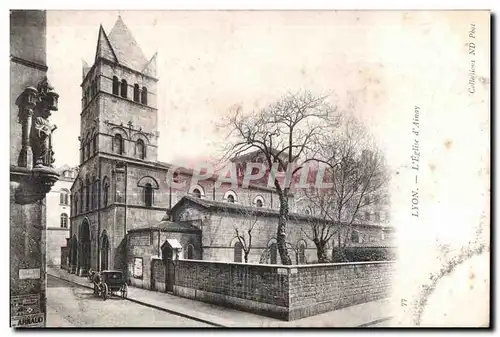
(116, 85)
(274, 253)
(139, 149)
(144, 96)
(230, 198)
(75, 203)
(64, 220)
(64, 197)
(136, 93)
(87, 197)
(355, 237)
(302, 252)
(124, 89)
(377, 216)
(367, 200)
(87, 150)
(94, 144)
(197, 193)
(118, 144)
(105, 194)
(238, 252)
(367, 215)
(190, 252)
(258, 203)
(148, 195)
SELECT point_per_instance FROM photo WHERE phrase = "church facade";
(122, 207)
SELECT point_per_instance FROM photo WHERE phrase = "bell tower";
(119, 113)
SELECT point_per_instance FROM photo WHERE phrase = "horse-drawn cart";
(109, 282)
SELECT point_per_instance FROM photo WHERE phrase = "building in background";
(58, 215)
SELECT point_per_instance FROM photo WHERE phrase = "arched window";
(82, 191)
(230, 196)
(148, 195)
(116, 85)
(367, 200)
(259, 201)
(274, 253)
(106, 193)
(302, 252)
(95, 199)
(139, 149)
(64, 220)
(118, 144)
(144, 96)
(64, 197)
(94, 144)
(87, 197)
(197, 193)
(75, 203)
(136, 93)
(367, 215)
(355, 237)
(238, 252)
(87, 149)
(123, 88)
(189, 252)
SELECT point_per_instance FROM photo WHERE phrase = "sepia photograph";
(250, 168)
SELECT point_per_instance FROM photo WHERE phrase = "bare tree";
(283, 133)
(246, 243)
(357, 175)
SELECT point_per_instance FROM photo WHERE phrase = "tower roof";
(125, 48)
(120, 46)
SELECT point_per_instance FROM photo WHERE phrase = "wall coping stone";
(290, 266)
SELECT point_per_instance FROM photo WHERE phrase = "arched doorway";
(84, 248)
(104, 251)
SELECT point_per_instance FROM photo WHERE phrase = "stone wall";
(320, 288)
(285, 292)
(250, 287)
(56, 238)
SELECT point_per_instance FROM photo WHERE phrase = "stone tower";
(118, 138)
(119, 99)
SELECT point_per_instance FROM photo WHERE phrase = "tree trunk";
(321, 251)
(281, 232)
(246, 256)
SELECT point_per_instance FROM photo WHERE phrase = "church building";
(124, 213)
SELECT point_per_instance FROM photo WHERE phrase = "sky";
(211, 61)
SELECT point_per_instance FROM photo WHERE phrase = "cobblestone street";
(69, 305)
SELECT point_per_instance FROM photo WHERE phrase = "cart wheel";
(124, 291)
(104, 291)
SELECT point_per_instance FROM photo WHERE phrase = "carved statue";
(42, 128)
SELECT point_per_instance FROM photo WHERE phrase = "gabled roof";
(250, 210)
(168, 226)
(126, 49)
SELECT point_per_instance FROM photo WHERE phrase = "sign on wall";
(138, 267)
(140, 240)
(25, 311)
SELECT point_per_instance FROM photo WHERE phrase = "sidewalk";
(364, 314)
